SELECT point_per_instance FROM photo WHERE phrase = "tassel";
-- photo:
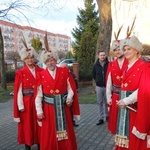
(61, 135)
(122, 141)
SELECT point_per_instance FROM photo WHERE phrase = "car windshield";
(68, 61)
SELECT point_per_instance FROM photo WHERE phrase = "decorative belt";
(116, 89)
(122, 132)
(28, 92)
(58, 102)
(50, 99)
(126, 93)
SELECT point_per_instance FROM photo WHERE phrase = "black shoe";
(38, 146)
(100, 122)
(27, 147)
(107, 119)
(74, 124)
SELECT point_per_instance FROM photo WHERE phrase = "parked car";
(69, 61)
(147, 59)
(19, 65)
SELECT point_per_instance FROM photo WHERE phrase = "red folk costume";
(55, 91)
(141, 128)
(24, 98)
(112, 91)
(134, 120)
(131, 81)
(54, 136)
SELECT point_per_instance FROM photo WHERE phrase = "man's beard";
(52, 68)
(121, 56)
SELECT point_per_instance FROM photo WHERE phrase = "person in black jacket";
(99, 74)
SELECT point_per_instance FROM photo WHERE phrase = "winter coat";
(99, 73)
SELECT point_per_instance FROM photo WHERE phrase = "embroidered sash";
(58, 101)
(122, 135)
(28, 92)
(116, 89)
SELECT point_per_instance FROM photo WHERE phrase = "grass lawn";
(4, 95)
(86, 95)
(87, 99)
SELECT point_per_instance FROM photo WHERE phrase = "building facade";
(13, 34)
(124, 12)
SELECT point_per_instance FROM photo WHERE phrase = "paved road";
(89, 136)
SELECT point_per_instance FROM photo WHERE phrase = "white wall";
(123, 13)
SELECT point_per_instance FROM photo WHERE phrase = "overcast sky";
(60, 21)
(60, 17)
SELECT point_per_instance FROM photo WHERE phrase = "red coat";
(28, 129)
(131, 81)
(52, 86)
(116, 78)
(142, 121)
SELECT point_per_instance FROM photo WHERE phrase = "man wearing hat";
(56, 93)
(133, 124)
(113, 84)
(24, 100)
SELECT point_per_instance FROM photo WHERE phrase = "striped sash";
(58, 102)
(122, 135)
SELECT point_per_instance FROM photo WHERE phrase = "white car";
(69, 61)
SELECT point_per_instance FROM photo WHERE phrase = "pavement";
(89, 135)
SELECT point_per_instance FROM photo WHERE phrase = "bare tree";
(9, 11)
(2, 63)
(12, 55)
(18, 10)
(15, 11)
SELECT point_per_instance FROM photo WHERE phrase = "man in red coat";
(24, 100)
(113, 84)
(56, 93)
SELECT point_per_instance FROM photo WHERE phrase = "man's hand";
(69, 102)
(109, 103)
(121, 104)
(22, 110)
(40, 116)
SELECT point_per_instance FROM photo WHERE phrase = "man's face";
(118, 53)
(51, 63)
(29, 60)
(102, 56)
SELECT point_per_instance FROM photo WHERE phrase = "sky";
(63, 20)
(60, 18)
(60, 21)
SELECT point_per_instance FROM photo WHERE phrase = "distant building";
(12, 34)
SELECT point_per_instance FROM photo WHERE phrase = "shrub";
(10, 76)
(85, 75)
